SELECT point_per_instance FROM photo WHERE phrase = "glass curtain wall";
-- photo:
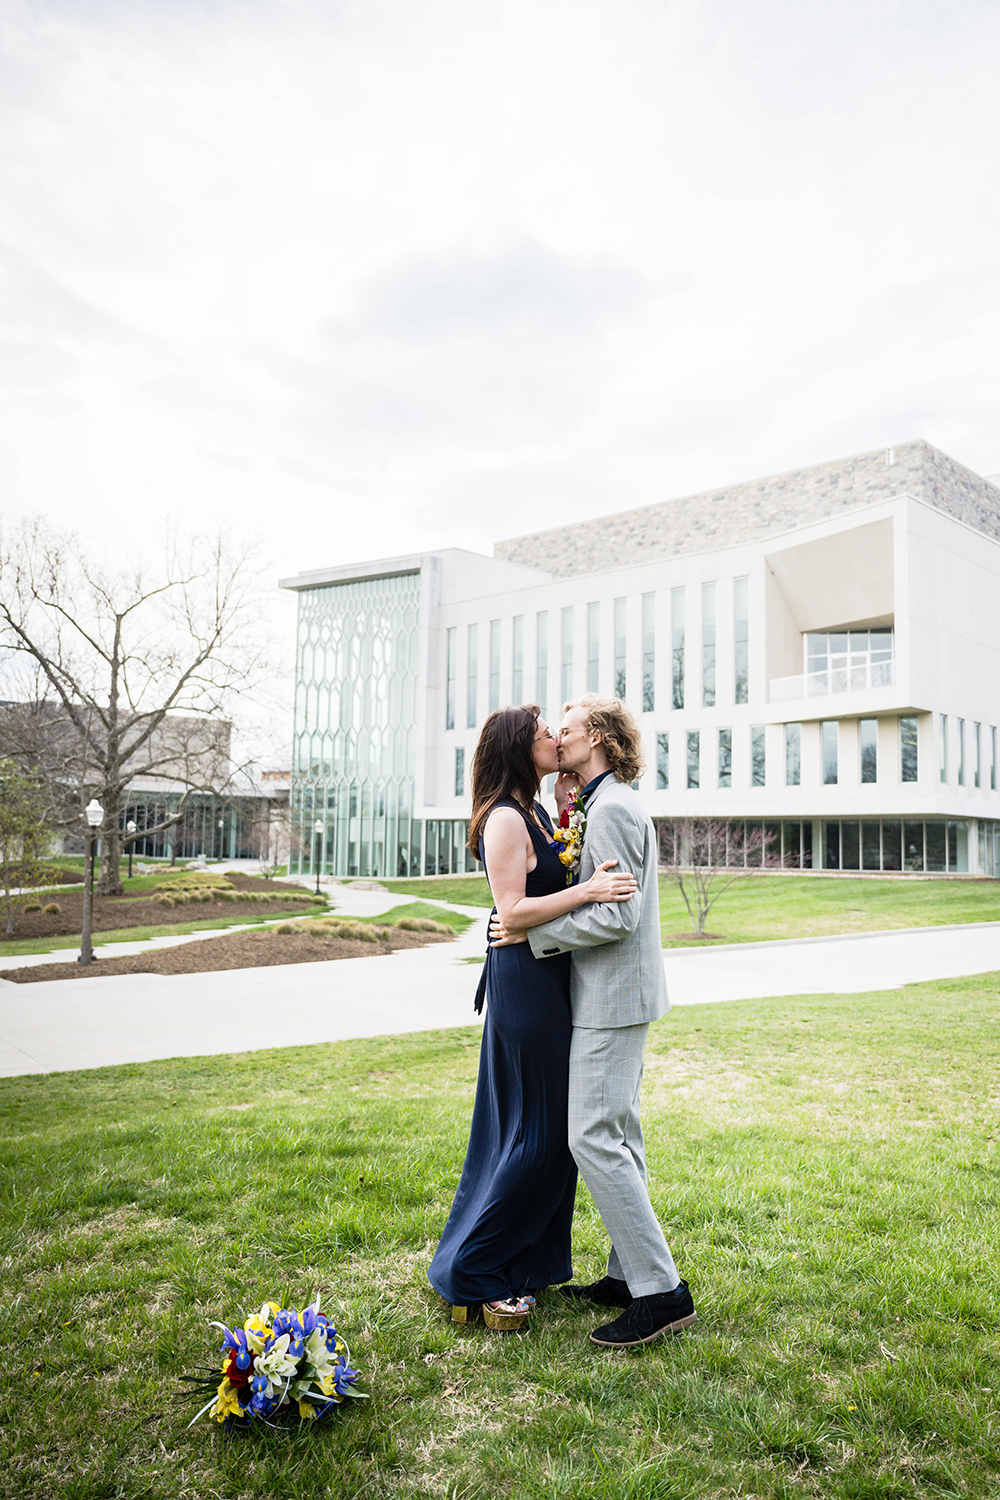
(354, 750)
(875, 844)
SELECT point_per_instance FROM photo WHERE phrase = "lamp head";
(318, 826)
(95, 813)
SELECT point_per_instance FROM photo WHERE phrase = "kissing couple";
(573, 978)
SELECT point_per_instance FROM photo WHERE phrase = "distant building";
(816, 652)
(222, 817)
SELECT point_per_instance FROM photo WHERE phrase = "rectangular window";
(868, 744)
(828, 739)
(473, 675)
(677, 645)
(838, 661)
(662, 762)
(494, 664)
(620, 648)
(943, 745)
(542, 660)
(977, 754)
(459, 770)
(993, 759)
(694, 757)
(741, 638)
(757, 753)
(725, 757)
(708, 644)
(908, 762)
(648, 651)
(517, 682)
(793, 754)
(961, 751)
(593, 645)
(450, 672)
(566, 676)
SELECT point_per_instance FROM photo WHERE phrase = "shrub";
(53, 909)
(30, 906)
(421, 924)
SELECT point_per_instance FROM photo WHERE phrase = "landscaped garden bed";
(183, 898)
(290, 943)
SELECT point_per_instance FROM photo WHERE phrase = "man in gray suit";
(617, 988)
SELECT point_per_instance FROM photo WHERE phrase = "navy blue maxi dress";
(508, 1232)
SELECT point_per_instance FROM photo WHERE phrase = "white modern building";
(817, 652)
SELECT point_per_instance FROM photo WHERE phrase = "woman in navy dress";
(508, 1233)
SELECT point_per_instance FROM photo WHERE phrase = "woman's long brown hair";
(503, 767)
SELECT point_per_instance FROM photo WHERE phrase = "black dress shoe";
(608, 1292)
(648, 1318)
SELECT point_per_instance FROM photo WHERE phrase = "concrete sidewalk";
(134, 1018)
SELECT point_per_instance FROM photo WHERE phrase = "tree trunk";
(110, 881)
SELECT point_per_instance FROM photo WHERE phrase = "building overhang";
(385, 567)
(866, 703)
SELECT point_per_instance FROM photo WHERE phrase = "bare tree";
(705, 856)
(134, 661)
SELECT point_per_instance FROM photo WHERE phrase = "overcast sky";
(371, 275)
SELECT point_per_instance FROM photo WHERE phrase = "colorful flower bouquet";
(278, 1360)
(572, 826)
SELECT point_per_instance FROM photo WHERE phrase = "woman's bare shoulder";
(504, 817)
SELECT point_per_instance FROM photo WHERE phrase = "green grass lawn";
(827, 1169)
(767, 907)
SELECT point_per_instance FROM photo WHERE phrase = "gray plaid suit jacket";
(617, 977)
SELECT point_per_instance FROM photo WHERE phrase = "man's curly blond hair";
(620, 737)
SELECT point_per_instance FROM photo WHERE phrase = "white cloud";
(384, 274)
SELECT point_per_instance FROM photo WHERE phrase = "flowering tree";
(705, 856)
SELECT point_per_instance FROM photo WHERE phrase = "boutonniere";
(568, 837)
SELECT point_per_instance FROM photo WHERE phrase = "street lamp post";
(95, 817)
(318, 830)
(130, 828)
(221, 845)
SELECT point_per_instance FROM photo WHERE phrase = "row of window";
(562, 634)
(830, 754)
(909, 766)
(976, 769)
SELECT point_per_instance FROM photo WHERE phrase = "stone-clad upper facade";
(750, 511)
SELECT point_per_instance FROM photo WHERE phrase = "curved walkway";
(54, 1026)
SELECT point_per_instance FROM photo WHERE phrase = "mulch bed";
(237, 950)
(114, 912)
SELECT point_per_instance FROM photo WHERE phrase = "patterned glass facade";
(354, 752)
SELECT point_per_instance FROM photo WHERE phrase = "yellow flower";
(261, 1322)
(567, 856)
(307, 1411)
(227, 1403)
(327, 1387)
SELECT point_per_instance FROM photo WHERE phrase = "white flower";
(317, 1353)
(276, 1365)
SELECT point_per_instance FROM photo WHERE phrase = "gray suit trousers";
(605, 1137)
